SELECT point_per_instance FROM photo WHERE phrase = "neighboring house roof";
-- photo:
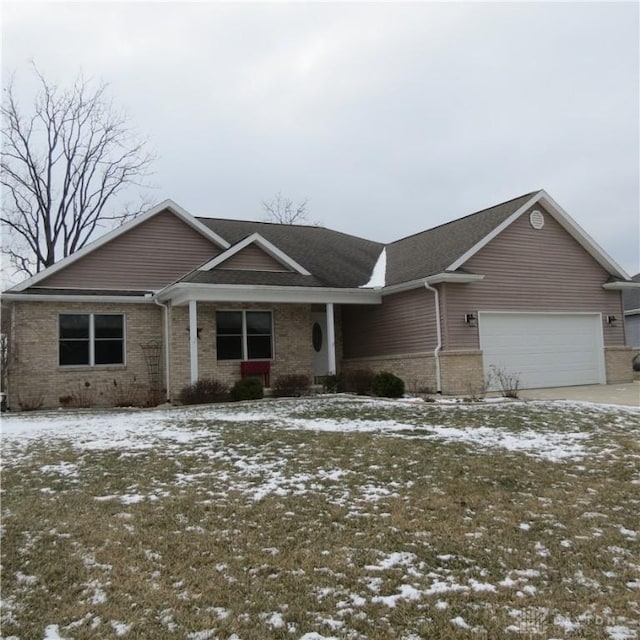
(631, 297)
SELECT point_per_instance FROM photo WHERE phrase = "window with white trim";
(244, 335)
(90, 339)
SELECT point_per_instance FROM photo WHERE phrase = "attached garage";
(544, 349)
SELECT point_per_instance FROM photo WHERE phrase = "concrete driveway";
(625, 394)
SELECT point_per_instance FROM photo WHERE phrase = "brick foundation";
(417, 370)
(619, 364)
(462, 373)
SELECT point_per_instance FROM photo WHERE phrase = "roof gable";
(291, 255)
(448, 247)
(206, 240)
(335, 259)
(280, 261)
(559, 215)
(433, 251)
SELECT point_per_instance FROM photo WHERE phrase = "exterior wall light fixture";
(470, 319)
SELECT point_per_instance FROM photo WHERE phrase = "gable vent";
(536, 219)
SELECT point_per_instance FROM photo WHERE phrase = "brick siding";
(417, 370)
(292, 343)
(34, 374)
(619, 364)
(462, 373)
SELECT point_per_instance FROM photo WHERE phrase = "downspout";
(167, 374)
(436, 351)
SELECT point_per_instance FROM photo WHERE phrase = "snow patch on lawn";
(620, 632)
(139, 430)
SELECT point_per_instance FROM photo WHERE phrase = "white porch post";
(331, 340)
(193, 340)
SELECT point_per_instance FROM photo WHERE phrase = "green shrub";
(247, 389)
(204, 391)
(293, 384)
(387, 385)
(333, 383)
(359, 381)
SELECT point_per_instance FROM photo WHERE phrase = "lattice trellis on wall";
(152, 354)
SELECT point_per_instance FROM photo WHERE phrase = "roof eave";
(582, 237)
(454, 278)
(565, 220)
(624, 285)
(176, 209)
(181, 293)
(36, 297)
(437, 278)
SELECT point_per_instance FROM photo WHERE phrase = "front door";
(320, 343)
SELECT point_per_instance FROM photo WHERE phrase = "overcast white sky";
(390, 118)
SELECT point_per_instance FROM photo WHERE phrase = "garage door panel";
(544, 350)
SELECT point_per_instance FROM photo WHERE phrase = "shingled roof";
(432, 251)
(339, 260)
(333, 258)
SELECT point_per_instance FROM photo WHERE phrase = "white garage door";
(544, 349)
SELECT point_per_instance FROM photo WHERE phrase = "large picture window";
(87, 339)
(244, 335)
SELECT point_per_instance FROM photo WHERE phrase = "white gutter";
(621, 285)
(436, 351)
(33, 297)
(453, 278)
(167, 369)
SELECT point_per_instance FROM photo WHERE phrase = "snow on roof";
(378, 275)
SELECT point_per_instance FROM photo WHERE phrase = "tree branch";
(63, 169)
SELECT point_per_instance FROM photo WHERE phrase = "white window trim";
(245, 349)
(92, 359)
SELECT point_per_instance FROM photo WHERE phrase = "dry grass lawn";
(323, 518)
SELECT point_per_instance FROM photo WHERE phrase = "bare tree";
(62, 164)
(284, 211)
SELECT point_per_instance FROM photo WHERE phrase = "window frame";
(92, 341)
(244, 341)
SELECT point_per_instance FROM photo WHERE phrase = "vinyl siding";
(252, 258)
(404, 323)
(530, 270)
(632, 326)
(149, 256)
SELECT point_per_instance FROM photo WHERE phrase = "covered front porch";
(217, 334)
